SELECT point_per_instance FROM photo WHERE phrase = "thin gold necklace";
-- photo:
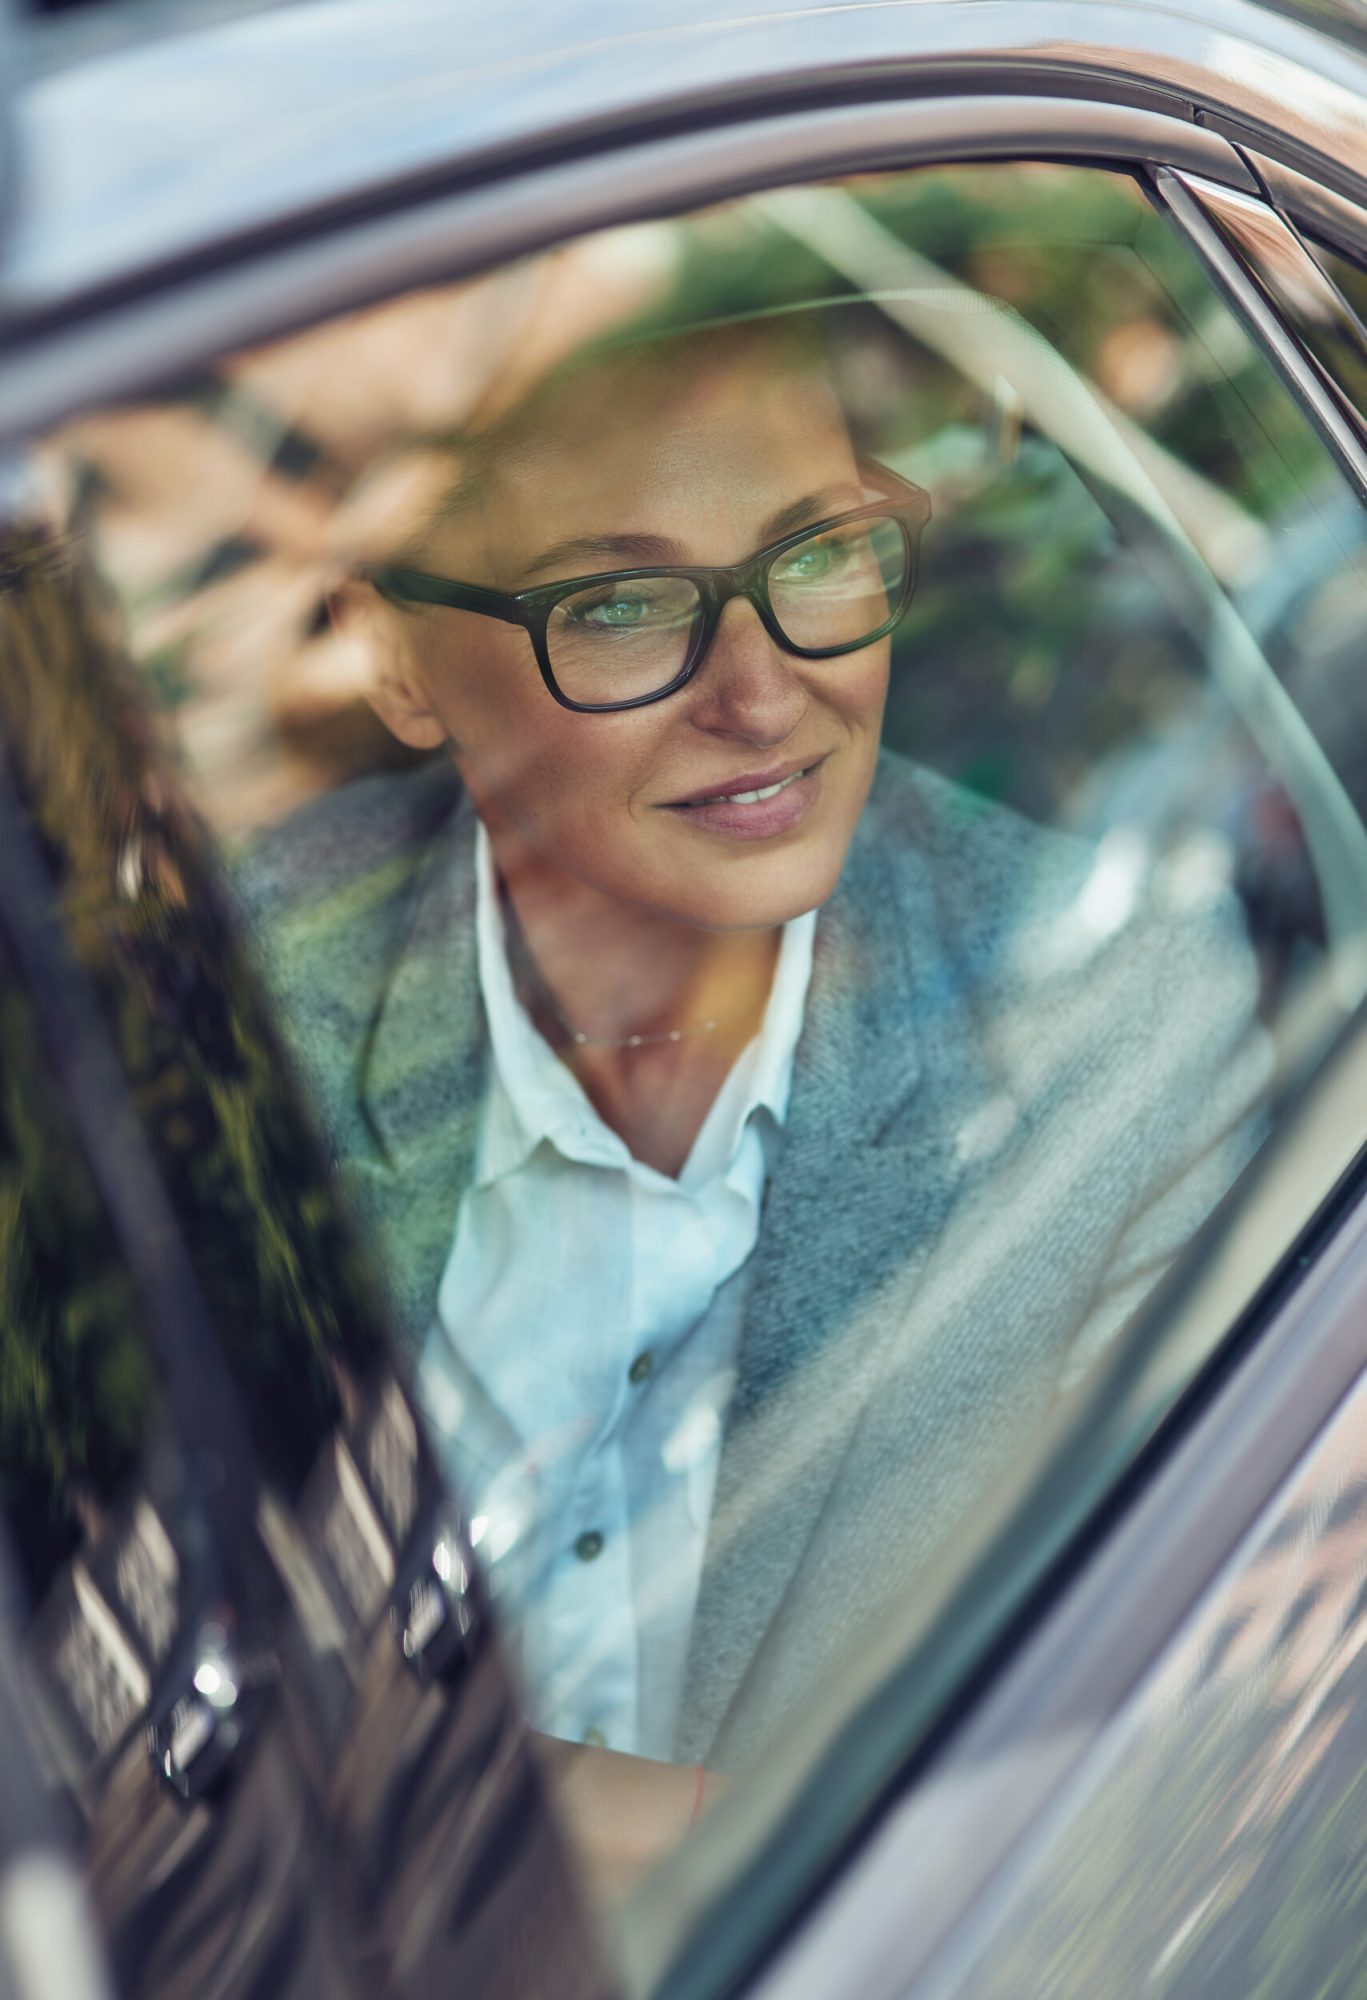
(544, 994)
(583, 1041)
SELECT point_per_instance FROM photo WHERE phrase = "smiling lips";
(748, 789)
(757, 804)
(747, 798)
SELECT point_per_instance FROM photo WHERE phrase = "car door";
(1127, 449)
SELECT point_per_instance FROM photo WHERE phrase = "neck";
(614, 970)
(625, 993)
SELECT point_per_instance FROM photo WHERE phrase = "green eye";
(616, 613)
(815, 561)
(622, 611)
(642, 605)
(812, 561)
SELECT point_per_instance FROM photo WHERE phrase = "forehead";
(707, 407)
(696, 440)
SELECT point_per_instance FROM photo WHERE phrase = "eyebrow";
(638, 551)
(625, 551)
(812, 507)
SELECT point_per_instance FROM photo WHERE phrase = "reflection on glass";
(777, 1027)
(223, 1563)
(1221, 1848)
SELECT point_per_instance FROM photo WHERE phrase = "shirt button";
(595, 1739)
(641, 1367)
(589, 1545)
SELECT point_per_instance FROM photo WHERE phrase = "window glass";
(793, 779)
(146, 1661)
(259, 1669)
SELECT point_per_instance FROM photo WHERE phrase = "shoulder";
(328, 894)
(376, 828)
(1062, 948)
(980, 871)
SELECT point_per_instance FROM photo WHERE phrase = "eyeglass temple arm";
(905, 489)
(415, 586)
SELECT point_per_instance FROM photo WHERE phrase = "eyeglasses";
(626, 637)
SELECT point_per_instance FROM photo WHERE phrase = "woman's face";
(702, 457)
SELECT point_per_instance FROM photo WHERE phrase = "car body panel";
(146, 336)
(1214, 1842)
(140, 158)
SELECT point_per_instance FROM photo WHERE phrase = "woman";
(754, 1145)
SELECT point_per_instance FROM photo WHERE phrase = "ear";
(384, 636)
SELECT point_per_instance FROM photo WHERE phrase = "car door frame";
(1028, 1720)
(60, 366)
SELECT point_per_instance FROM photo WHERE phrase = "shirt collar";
(535, 1098)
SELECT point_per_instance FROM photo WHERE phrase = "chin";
(761, 904)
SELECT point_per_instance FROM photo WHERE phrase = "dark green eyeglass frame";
(907, 505)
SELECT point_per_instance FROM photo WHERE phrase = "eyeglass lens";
(624, 638)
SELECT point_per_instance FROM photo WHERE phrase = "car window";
(234, 1552)
(792, 779)
(148, 1665)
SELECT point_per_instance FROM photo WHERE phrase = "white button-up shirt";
(584, 1353)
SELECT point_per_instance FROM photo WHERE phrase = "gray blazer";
(1009, 1111)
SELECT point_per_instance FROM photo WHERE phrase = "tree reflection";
(145, 916)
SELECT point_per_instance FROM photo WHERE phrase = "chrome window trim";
(1257, 260)
(1296, 285)
(1309, 205)
(1187, 198)
(57, 369)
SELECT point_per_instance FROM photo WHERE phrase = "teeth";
(752, 798)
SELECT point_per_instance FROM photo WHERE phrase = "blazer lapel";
(421, 1082)
(886, 1082)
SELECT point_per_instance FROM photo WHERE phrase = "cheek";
(483, 682)
(523, 764)
(565, 778)
(858, 692)
(872, 679)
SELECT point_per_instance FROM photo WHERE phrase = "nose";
(747, 687)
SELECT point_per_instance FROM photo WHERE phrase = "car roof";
(135, 156)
